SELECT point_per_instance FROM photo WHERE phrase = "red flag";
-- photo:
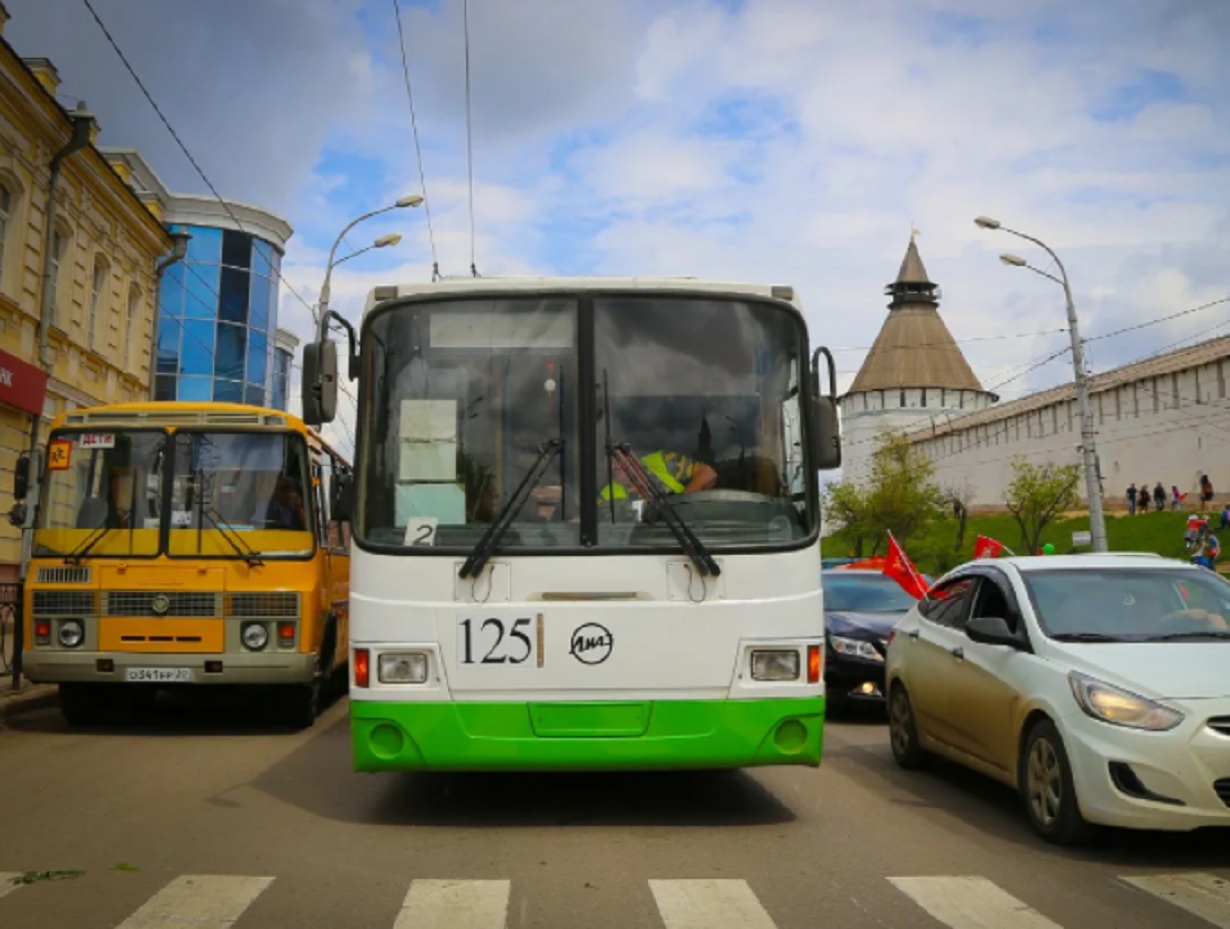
(899, 567)
(986, 547)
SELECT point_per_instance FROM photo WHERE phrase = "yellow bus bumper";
(57, 666)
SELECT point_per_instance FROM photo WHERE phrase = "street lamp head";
(386, 240)
(986, 222)
(1014, 260)
(411, 200)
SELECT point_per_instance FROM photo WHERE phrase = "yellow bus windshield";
(210, 493)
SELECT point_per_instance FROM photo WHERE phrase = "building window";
(903, 399)
(1136, 400)
(131, 340)
(98, 297)
(1174, 389)
(1221, 380)
(59, 245)
(923, 401)
(6, 213)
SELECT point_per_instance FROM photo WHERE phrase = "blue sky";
(788, 141)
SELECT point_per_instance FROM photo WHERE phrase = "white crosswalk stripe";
(709, 904)
(970, 903)
(6, 882)
(1203, 895)
(454, 905)
(957, 901)
(203, 901)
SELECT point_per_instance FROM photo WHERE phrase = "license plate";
(159, 675)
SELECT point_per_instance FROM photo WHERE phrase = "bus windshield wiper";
(227, 531)
(74, 557)
(645, 485)
(483, 550)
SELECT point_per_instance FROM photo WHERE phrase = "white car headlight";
(855, 648)
(402, 668)
(775, 665)
(1120, 707)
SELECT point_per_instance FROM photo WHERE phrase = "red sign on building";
(22, 385)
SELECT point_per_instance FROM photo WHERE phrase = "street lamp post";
(409, 201)
(1093, 484)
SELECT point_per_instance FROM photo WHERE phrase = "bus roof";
(456, 286)
(185, 413)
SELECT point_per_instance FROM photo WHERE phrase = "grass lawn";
(934, 552)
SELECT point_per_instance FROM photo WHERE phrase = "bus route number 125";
(497, 641)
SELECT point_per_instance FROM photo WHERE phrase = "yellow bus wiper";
(74, 557)
(242, 549)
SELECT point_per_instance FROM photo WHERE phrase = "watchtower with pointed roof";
(913, 374)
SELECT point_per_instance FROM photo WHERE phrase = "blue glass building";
(216, 335)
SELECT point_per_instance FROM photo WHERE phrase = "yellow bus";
(188, 545)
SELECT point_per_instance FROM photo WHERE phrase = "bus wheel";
(302, 702)
(80, 704)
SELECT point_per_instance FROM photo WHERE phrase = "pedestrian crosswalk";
(208, 901)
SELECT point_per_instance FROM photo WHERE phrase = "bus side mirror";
(341, 506)
(318, 388)
(825, 434)
(825, 427)
(21, 477)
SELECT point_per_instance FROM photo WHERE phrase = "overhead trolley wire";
(418, 150)
(465, 13)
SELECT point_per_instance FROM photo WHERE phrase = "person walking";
(1206, 492)
(1159, 497)
(1144, 498)
(1131, 498)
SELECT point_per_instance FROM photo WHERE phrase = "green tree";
(902, 495)
(1039, 493)
(899, 496)
(845, 504)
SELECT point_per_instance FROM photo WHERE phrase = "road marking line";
(970, 903)
(6, 882)
(709, 904)
(1204, 895)
(204, 901)
(454, 905)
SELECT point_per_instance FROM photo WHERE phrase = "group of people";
(1200, 540)
(1140, 498)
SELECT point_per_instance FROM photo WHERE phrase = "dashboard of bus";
(580, 422)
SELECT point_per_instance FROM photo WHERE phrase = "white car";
(1097, 686)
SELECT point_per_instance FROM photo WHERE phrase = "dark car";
(860, 607)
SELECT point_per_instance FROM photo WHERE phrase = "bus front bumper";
(57, 666)
(630, 735)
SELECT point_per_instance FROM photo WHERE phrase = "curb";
(31, 697)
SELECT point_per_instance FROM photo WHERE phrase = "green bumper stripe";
(625, 735)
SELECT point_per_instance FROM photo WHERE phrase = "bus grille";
(63, 603)
(265, 605)
(65, 575)
(180, 603)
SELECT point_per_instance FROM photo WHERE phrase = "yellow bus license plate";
(158, 675)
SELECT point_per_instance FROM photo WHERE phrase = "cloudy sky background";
(780, 141)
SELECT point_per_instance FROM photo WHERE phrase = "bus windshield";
(463, 394)
(232, 494)
(251, 483)
(98, 482)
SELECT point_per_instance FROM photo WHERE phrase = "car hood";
(1175, 670)
(861, 625)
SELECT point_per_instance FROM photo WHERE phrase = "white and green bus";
(585, 524)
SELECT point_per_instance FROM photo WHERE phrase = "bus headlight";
(775, 665)
(70, 633)
(255, 636)
(402, 668)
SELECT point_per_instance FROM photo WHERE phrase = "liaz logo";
(591, 643)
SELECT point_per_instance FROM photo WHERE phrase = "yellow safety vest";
(672, 469)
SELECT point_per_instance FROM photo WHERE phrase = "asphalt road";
(198, 818)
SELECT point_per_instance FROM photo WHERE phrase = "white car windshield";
(1130, 604)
